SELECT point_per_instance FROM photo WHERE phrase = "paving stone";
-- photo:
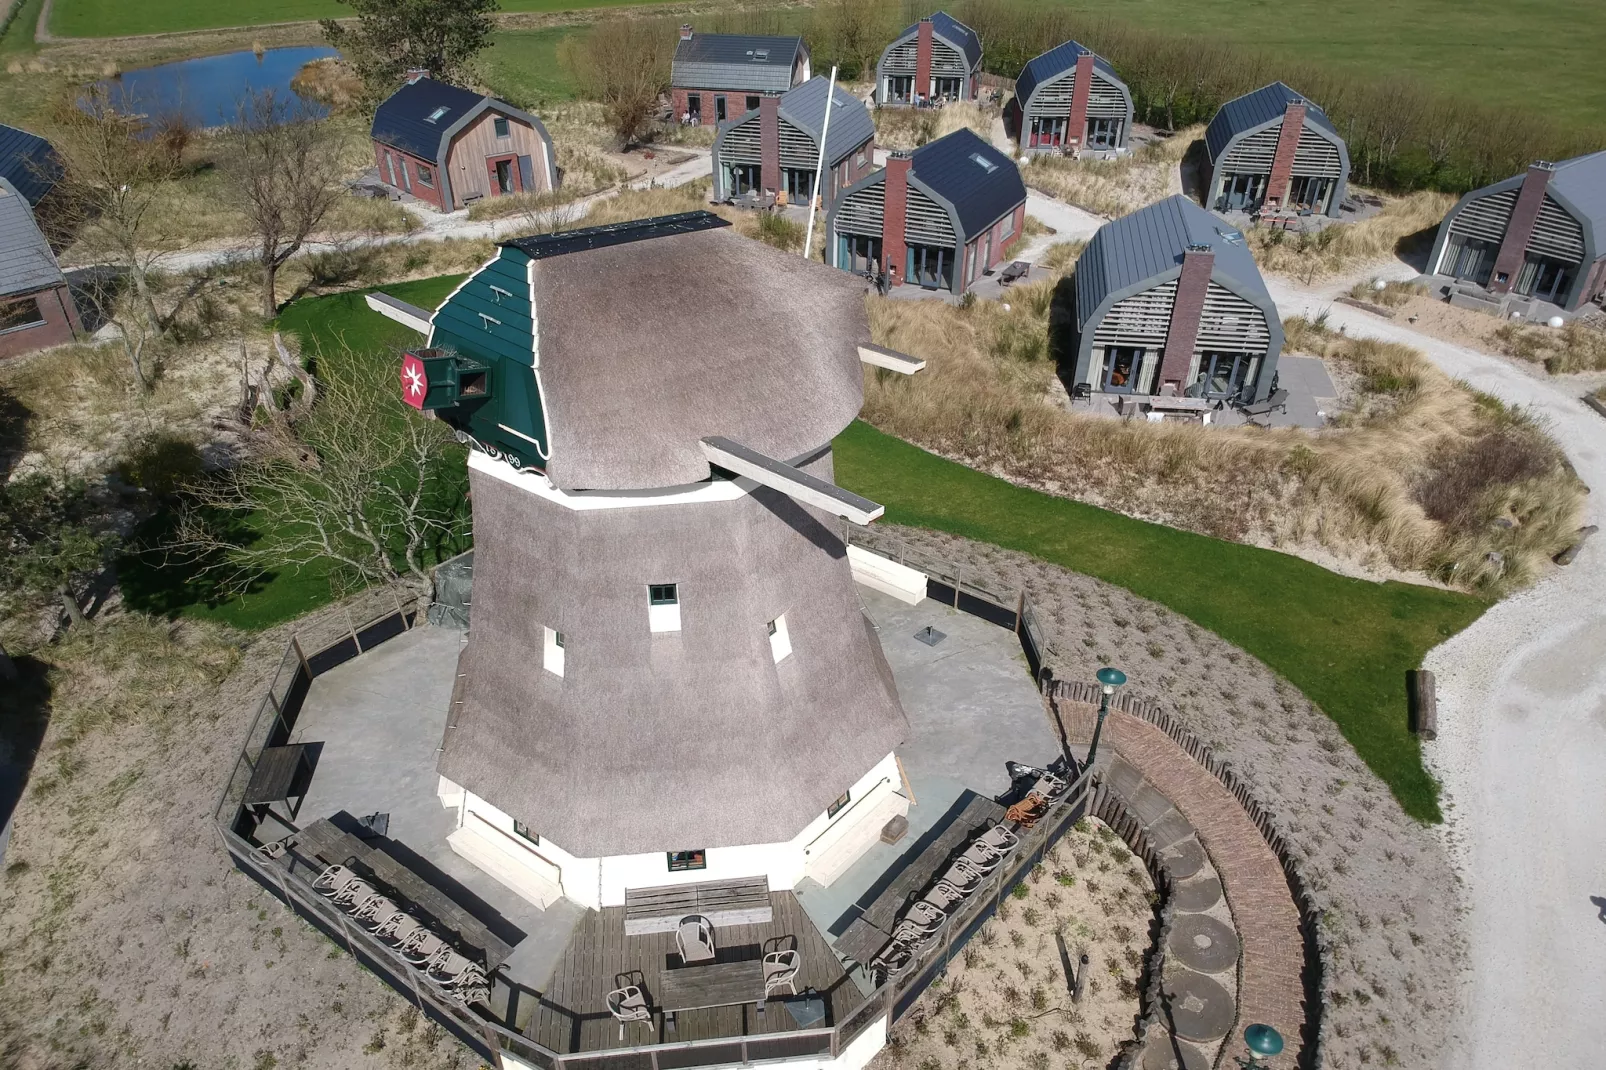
(1198, 895)
(1184, 859)
(1123, 779)
(1166, 1052)
(1148, 805)
(1195, 1007)
(1203, 943)
(1171, 828)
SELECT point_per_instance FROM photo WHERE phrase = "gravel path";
(1522, 756)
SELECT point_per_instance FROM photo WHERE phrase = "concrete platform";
(1312, 399)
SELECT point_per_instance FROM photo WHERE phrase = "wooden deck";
(573, 1013)
(873, 928)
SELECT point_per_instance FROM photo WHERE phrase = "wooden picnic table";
(335, 846)
(275, 774)
(719, 984)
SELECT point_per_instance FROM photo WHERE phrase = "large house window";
(663, 607)
(681, 861)
(743, 178)
(500, 124)
(1104, 133)
(16, 315)
(900, 87)
(1241, 193)
(1223, 375)
(858, 253)
(1308, 193)
(799, 183)
(1120, 371)
(1547, 279)
(931, 266)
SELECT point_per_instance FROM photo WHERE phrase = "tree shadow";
(156, 581)
(1062, 330)
(94, 292)
(24, 716)
(14, 417)
(1194, 171)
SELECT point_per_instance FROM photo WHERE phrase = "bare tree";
(855, 31)
(282, 166)
(624, 63)
(382, 489)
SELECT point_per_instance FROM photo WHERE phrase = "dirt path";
(1522, 756)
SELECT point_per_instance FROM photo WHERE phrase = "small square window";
(680, 861)
(663, 607)
(524, 830)
(836, 807)
(552, 652)
(500, 124)
(752, 103)
(663, 594)
(426, 177)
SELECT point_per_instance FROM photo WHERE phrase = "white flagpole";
(819, 168)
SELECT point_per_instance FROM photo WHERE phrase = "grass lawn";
(321, 324)
(522, 66)
(116, 18)
(1345, 643)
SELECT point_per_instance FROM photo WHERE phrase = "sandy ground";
(1382, 878)
(1522, 755)
(1005, 1001)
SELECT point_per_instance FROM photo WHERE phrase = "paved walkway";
(1271, 986)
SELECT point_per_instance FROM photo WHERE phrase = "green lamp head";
(1263, 1040)
(1110, 679)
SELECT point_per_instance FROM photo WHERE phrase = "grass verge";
(117, 18)
(1345, 643)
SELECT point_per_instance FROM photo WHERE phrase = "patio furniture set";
(921, 923)
(701, 981)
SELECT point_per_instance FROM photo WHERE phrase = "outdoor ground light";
(1109, 679)
(1264, 1042)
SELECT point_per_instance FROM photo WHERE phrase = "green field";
(117, 18)
(1345, 643)
(521, 66)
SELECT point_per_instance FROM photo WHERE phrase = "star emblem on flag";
(414, 380)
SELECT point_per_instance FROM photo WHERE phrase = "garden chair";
(781, 968)
(356, 892)
(893, 959)
(964, 876)
(925, 916)
(422, 947)
(468, 994)
(1048, 786)
(1000, 840)
(332, 880)
(376, 910)
(449, 969)
(981, 857)
(628, 1004)
(694, 939)
(398, 928)
(944, 897)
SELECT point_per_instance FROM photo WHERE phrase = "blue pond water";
(208, 91)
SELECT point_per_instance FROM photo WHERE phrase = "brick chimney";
(685, 31)
(769, 142)
(1520, 227)
(414, 74)
(1076, 129)
(1282, 164)
(923, 59)
(894, 208)
(1197, 263)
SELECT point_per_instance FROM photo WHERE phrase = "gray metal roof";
(981, 183)
(1581, 182)
(1253, 110)
(1057, 61)
(26, 262)
(953, 31)
(735, 61)
(1143, 249)
(28, 162)
(402, 119)
(851, 125)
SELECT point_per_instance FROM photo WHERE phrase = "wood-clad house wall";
(477, 143)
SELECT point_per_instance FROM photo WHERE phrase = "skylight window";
(435, 116)
(983, 162)
(760, 54)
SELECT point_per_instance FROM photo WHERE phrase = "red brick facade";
(769, 142)
(59, 326)
(1076, 130)
(402, 173)
(735, 102)
(1186, 310)
(894, 213)
(1282, 164)
(1514, 246)
(923, 36)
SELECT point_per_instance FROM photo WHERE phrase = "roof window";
(760, 54)
(983, 162)
(435, 116)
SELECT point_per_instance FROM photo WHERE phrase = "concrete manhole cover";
(1168, 1053)
(1194, 896)
(1196, 1008)
(1184, 859)
(1203, 943)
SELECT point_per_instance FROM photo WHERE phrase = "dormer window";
(436, 115)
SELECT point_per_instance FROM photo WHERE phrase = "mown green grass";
(338, 327)
(522, 66)
(117, 18)
(1346, 643)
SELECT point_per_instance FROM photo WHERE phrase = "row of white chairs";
(924, 919)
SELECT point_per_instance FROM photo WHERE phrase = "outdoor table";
(1160, 405)
(806, 1012)
(718, 984)
(275, 774)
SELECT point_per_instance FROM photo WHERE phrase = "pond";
(208, 90)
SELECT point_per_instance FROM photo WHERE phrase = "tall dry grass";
(910, 128)
(1577, 347)
(1365, 490)
(1339, 247)
(1114, 188)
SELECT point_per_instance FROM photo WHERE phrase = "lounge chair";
(333, 880)
(694, 939)
(926, 916)
(398, 928)
(356, 892)
(422, 947)
(944, 897)
(964, 876)
(376, 910)
(999, 839)
(982, 858)
(449, 969)
(1048, 786)
(628, 1004)
(781, 968)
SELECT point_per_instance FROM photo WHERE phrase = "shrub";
(779, 231)
(1020, 891)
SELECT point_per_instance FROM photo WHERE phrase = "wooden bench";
(744, 901)
(333, 845)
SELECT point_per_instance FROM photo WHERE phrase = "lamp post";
(1264, 1042)
(1109, 679)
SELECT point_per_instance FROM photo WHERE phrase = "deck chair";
(449, 969)
(1000, 839)
(893, 959)
(944, 897)
(964, 876)
(422, 947)
(398, 928)
(628, 1004)
(981, 857)
(332, 880)
(781, 968)
(925, 916)
(356, 892)
(694, 939)
(1048, 786)
(376, 910)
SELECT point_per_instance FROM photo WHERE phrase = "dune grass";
(1113, 188)
(1346, 643)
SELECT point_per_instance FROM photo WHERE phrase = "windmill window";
(552, 651)
(836, 807)
(663, 607)
(780, 638)
(435, 116)
(680, 861)
(524, 830)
